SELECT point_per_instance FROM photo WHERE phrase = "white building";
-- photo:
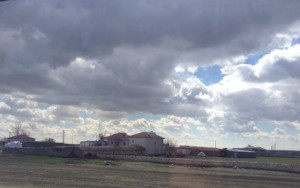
(150, 141)
(118, 139)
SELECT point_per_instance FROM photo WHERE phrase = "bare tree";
(171, 145)
(49, 140)
(118, 141)
(18, 130)
(171, 141)
(101, 135)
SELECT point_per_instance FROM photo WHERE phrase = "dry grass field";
(33, 171)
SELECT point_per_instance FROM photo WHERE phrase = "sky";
(197, 72)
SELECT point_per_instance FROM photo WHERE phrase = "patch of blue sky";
(265, 126)
(67, 124)
(132, 117)
(3, 98)
(269, 127)
(290, 130)
(209, 75)
(44, 106)
(253, 59)
(194, 130)
(296, 41)
(84, 114)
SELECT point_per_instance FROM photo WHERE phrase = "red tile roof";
(146, 135)
(200, 148)
(206, 149)
(22, 136)
(120, 136)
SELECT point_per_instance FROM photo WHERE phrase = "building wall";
(20, 140)
(240, 154)
(120, 143)
(282, 153)
(88, 143)
(153, 146)
(183, 151)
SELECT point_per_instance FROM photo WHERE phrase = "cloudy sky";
(193, 71)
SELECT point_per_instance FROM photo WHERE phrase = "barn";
(21, 138)
(208, 151)
(236, 153)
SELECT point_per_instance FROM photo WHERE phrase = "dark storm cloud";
(135, 46)
(90, 28)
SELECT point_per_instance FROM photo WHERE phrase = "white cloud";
(4, 107)
(82, 63)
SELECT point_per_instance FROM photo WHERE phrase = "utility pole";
(215, 143)
(63, 136)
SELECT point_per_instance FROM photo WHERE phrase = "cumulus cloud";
(121, 61)
(88, 64)
(266, 90)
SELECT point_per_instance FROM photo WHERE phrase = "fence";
(209, 163)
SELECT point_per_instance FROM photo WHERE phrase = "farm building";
(236, 153)
(282, 153)
(183, 150)
(21, 138)
(208, 151)
(44, 144)
(2, 143)
(194, 150)
(259, 150)
(118, 139)
(59, 151)
(88, 143)
(150, 141)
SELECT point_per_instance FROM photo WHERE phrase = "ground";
(282, 160)
(33, 171)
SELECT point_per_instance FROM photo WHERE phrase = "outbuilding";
(235, 153)
(21, 138)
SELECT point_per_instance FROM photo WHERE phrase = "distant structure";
(195, 151)
(238, 153)
(88, 143)
(282, 153)
(273, 147)
(152, 142)
(21, 138)
(259, 150)
(118, 139)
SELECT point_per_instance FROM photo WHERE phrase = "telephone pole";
(63, 136)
